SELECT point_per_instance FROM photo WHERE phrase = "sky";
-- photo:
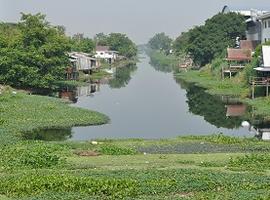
(139, 19)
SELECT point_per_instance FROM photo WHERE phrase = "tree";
(208, 41)
(121, 43)
(35, 56)
(117, 42)
(181, 43)
(101, 39)
(82, 44)
(160, 42)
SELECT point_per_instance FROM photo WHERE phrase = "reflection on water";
(49, 134)
(214, 110)
(150, 104)
(122, 76)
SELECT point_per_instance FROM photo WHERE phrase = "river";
(144, 102)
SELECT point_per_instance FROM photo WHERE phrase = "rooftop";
(264, 16)
(249, 44)
(102, 48)
(239, 54)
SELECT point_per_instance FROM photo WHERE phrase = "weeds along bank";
(209, 167)
(21, 112)
(234, 87)
(204, 167)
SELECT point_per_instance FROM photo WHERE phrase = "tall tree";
(35, 56)
(211, 40)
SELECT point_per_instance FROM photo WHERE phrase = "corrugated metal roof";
(239, 54)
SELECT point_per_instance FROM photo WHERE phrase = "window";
(265, 24)
(268, 23)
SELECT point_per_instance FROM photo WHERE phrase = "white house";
(265, 24)
(104, 52)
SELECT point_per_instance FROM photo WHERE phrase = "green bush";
(37, 184)
(33, 155)
(115, 150)
(254, 161)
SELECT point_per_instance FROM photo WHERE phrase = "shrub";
(114, 150)
(33, 155)
(254, 161)
(36, 184)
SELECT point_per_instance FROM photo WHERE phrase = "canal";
(147, 102)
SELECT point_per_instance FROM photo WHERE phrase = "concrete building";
(265, 27)
(255, 21)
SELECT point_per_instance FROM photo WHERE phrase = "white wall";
(266, 30)
(105, 55)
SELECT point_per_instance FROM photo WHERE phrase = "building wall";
(266, 30)
(254, 31)
(105, 55)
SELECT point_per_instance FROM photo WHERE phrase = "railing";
(259, 80)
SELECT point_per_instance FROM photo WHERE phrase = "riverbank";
(236, 87)
(191, 167)
(21, 112)
(227, 87)
(204, 167)
(214, 85)
(102, 73)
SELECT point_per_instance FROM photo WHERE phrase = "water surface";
(145, 102)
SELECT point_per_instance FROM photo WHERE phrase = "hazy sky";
(139, 19)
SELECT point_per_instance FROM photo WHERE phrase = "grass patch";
(214, 85)
(254, 161)
(116, 150)
(20, 113)
(31, 155)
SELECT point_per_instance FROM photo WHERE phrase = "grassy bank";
(214, 85)
(191, 167)
(209, 167)
(21, 113)
(229, 87)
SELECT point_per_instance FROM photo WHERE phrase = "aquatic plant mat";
(203, 167)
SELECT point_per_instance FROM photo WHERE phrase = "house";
(237, 59)
(265, 27)
(104, 52)
(80, 62)
(249, 44)
(265, 68)
(255, 30)
(263, 72)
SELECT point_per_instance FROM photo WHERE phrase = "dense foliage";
(80, 43)
(208, 41)
(33, 53)
(118, 42)
(160, 42)
(180, 43)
